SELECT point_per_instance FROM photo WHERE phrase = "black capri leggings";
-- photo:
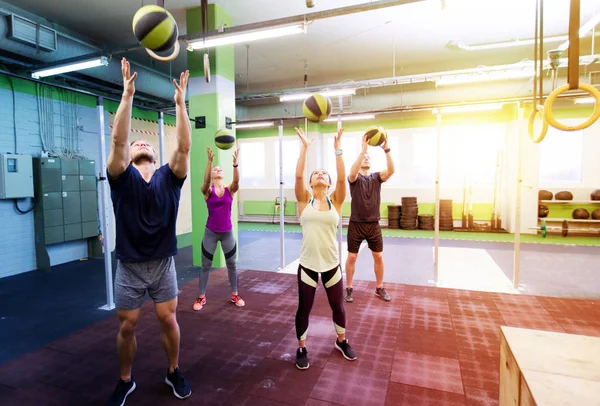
(307, 286)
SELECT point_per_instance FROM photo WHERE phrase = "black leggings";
(307, 286)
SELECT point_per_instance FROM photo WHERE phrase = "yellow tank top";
(319, 244)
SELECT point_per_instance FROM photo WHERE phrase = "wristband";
(386, 150)
(235, 166)
(339, 152)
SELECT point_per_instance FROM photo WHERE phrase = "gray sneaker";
(382, 294)
(349, 297)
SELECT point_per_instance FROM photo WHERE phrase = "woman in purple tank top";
(219, 198)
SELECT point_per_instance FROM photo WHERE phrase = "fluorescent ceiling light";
(248, 36)
(585, 100)
(326, 93)
(485, 77)
(57, 70)
(505, 44)
(585, 28)
(255, 125)
(351, 118)
(469, 108)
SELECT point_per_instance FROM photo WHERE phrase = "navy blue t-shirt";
(145, 214)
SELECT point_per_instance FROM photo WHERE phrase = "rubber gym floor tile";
(534, 321)
(351, 386)
(443, 344)
(427, 371)
(322, 327)
(399, 394)
(480, 343)
(582, 327)
(462, 294)
(316, 402)
(281, 381)
(271, 287)
(425, 291)
(474, 308)
(480, 372)
(100, 337)
(480, 397)
(426, 304)
(38, 393)
(374, 355)
(226, 364)
(439, 322)
(20, 372)
(319, 349)
(243, 399)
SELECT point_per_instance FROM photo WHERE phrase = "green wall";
(507, 114)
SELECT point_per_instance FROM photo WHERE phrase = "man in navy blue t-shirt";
(146, 201)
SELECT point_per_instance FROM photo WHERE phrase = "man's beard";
(143, 156)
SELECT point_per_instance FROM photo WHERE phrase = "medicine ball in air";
(224, 139)
(376, 136)
(155, 28)
(317, 108)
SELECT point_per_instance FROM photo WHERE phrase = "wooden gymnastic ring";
(166, 58)
(558, 91)
(539, 138)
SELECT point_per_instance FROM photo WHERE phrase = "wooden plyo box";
(546, 369)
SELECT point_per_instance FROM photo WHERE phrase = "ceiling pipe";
(318, 15)
(411, 79)
(418, 108)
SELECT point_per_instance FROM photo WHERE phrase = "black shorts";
(358, 232)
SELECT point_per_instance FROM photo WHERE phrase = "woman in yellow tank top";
(319, 218)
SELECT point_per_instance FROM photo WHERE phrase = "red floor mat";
(427, 346)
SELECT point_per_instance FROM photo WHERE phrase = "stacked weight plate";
(426, 222)
(446, 223)
(410, 210)
(394, 216)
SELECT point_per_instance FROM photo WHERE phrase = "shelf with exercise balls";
(156, 30)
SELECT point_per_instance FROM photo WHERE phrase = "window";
(252, 164)
(561, 157)
(291, 151)
(471, 152)
(350, 149)
(424, 159)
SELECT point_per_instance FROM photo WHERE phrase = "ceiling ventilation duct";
(19, 36)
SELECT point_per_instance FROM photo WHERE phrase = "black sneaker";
(345, 349)
(121, 392)
(348, 297)
(302, 358)
(382, 294)
(181, 388)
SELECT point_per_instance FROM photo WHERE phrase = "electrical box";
(16, 176)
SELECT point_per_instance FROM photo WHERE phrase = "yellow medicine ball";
(155, 28)
(376, 136)
(224, 139)
(317, 108)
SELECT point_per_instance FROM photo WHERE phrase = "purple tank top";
(219, 211)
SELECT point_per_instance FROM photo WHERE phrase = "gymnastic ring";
(539, 138)
(166, 58)
(552, 98)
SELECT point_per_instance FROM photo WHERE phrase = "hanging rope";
(204, 10)
(573, 77)
(538, 79)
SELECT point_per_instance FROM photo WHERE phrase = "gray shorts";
(132, 280)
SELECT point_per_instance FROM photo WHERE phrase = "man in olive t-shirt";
(365, 191)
